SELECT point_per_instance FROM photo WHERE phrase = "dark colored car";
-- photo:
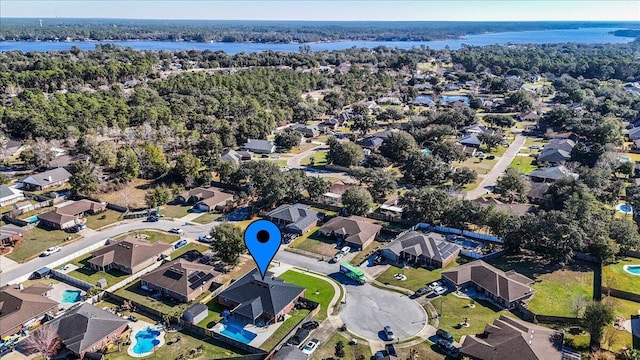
(300, 336)
(133, 318)
(448, 347)
(310, 325)
(422, 291)
(153, 219)
(443, 334)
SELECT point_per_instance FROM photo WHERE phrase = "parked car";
(447, 347)
(300, 336)
(176, 231)
(337, 257)
(133, 318)
(205, 238)
(445, 335)
(440, 290)
(434, 285)
(422, 291)
(153, 219)
(311, 346)
(378, 259)
(345, 250)
(310, 325)
(73, 229)
(388, 333)
(180, 244)
(51, 251)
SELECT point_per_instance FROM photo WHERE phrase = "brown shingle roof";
(129, 252)
(199, 192)
(509, 338)
(81, 206)
(358, 228)
(218, 198)
(175, 276)
(19, 306)
(56, 218)
(510, 286)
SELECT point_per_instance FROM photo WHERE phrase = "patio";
(56, 294)
(261, 333)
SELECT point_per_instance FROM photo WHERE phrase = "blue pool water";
(633, 269)
(624, 159)
(31, 219)
(71, 296)
(467, 243)
(146, 340)
(237, 333)
(625, 208)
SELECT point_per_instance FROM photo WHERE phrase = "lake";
(581, 35)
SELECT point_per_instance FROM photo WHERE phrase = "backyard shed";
(195, 313)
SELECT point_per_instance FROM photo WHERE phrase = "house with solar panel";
(252, 300)
(418, 248)
(181, 280)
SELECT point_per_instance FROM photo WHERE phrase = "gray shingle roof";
(196, 309)
(85, 325)
(297, 216)
(42, 179)
(256, 296)
(431, 245)
(371, 142)
(260, 145)
(554, 155)
(471, 139)
(552, 173)
(5, 191)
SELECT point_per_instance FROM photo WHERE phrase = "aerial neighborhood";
(469, 203)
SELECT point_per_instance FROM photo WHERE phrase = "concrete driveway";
(369, 309)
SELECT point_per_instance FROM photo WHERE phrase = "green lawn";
(103, 219)
(38, 240)
(556, 288)
(152, 236)
(523, 163)
(362, 255)
(473, 185)
(482, 167)
(175, 211)
(614, 276)
(207, 217)
(213, 349)
(190, 246)
(313, 242)
(215, 311)
(327, 349)
(86, 273)
(425, 351)
(164, 305)
(317, 290)
(416, 277)
(498, 151)
(319, 157)
(453, 310)
(290, 323)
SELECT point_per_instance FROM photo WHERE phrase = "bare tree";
(44, 341)
(610, 337)
(578, 304)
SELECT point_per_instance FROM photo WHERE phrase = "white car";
(311, 346)
(337, 257)
(440, 290)
(345, 250)
(205, 239)
(434, 285)
(51, 250)
(176, 231)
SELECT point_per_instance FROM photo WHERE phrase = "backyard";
(103, 219)
(327, 350)
(214, 315)
(151, 236)
(135, 293)
(318, 290)
(416, 277)
(38, 240)
(614, 276)
(87, 274)
(290, 323)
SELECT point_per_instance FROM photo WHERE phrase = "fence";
(632, 253)
(320, 205)
(620, 294)
(219, 337)
(310, 315)
(71, 280)
(134, 276)
(117, 208)
(139, 214)
(546, 319)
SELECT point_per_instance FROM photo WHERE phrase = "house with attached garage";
(551, 174)
(297, 219)
(205, 199)
(181, 280)
(557, 151)
(21, 308)
(259, 146)
(10, 195)
(425, 249)
(67, 216)
(10, 234)
(45, 180)
(234, 157)
(354, 231)
(129, 255)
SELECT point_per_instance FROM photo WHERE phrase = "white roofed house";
(9, 195)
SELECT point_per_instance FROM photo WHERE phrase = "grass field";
(207, 217)
(317, 290)
(453, 310)
(103, 219)
(482, 167)
(290, 323)
(190, 246)
(38, 240)
(523, 163)
(473, 185)
(86, 273)
(175, 211)
(152, 236)
(319, 157)
(614, 276)
(214, 316)
(313, 242)
(327, 349)
(416, 277)
(131, 195)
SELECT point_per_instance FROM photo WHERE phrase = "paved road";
(491, 178)
(368, 309)
(78, 248)
(294, 162)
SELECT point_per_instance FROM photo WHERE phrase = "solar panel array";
(199, 278)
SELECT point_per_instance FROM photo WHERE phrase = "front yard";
(453, 310)
(103, 219)
(207, 217)
(416, 277)
(327, 350)
(523, 163)
(318, 290)
(614, 276)
(482, 167)
(38, 240)
(151, 236)
(175, 211)
(86, 273)
(313, 242)
(290, 323)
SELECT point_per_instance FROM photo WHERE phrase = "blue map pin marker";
(263, 239)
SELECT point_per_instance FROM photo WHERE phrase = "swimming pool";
(632, 269)
(625, 208)
(31, 219)
(145, 341)
(467, 243)
(71, 296)
(237, 333)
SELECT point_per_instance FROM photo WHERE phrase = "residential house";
(290, 353)
(334, 195)
(259, 146)
(181, 280)
(528, 116)
(389, 100)
(330, 124)
(385, 133)
(10, 195)
(129, 255)
(536, 191)
(205, 199)
(23, 206)
(86, 329)
(371, 143)
(82, 208)
(371, 106)
(10, 234)
(354, 231)
(510, 338)
(346, 116)
(11, 148)
(195, 313)
(503, 288)
(634, 134)
(297, 219)
(308, 131)
(57, 221)
(22, 308)
(518, 209)
(471, 140)
(418, 248)
(552, 173)
(258, 301)
(424, 100)
(46, 179)
(234, 157)
(478, 129)
(557, 151)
